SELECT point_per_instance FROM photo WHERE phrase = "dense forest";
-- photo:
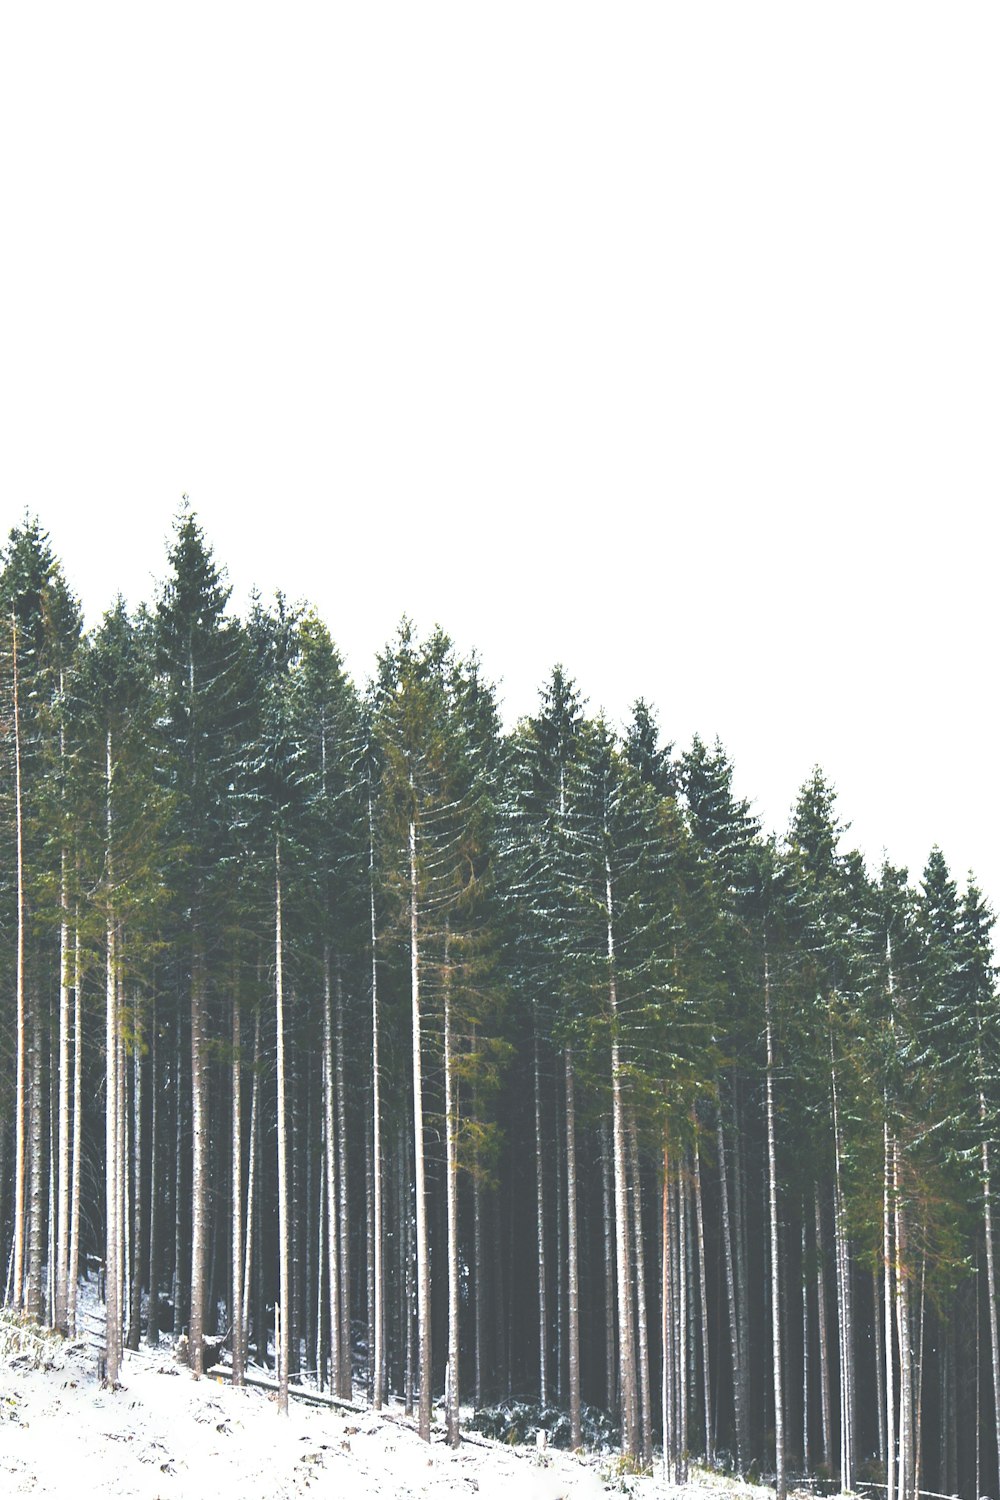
(476, 1066)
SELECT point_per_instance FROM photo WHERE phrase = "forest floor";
(164, 1434)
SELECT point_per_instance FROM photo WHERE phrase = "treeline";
(395, 1048)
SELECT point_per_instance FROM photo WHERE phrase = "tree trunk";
(478, 1272)
(781, 1482)
(845, 1321)
(560, 1258)
(905, 1466)
(734, 1326)
(330, 1159)
(63, 1153)
(284, 1275)
(20, 1130)
(73, 1273)
(991, 1294)
(805, 1353)
(573, 1249)
(423, 1261)
(610, 1325)
(703, 1287)
(645, 1396)
(112, 1286)
(667, 1331)
(370, 1255)
(252, 1153)
(626, 1338)
(543, 1316)
(178, 1282)
(236, 1214)
(826, 1404)
(344, 1220)
(199, 1157)
(135, 1308)
(888, 1305)
(451, 1192)
(379, 1360)
(36, 1189)
(153, 1319)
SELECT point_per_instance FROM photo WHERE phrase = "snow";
(165, 1434)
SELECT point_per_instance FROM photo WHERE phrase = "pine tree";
(197, 654)
(41, 631)
(115, 779)
(536, 883)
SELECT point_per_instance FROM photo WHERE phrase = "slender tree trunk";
(20, 1132)
(888, 1303)
(845, 1321)
(344, 1220)
(543, 1312)
(573, 1248)
(991, 1285)
(178, 1282)
(135, 1309)
(626, 1340)
(918, 1427)
(153, 1320)
(409, 1286)
(645, 1395)
(284, 1270)
(741, 1238)
(805, 1353)
(781, 1482)
(330, 1159)
(451, 1192)
(423, 1262)
(53, 1190)
(734, 1326)
(112, 1285)
(402, 1263)
(879, 1362)
(905, 1465)
(703, 1288)
(610, 1321)
(236, 1230)
(667, 1330)
(379, 1361)
(123, 1233)
(36, 1188)
(826, 1404)
(252, 1152)
(62, 1232)
(73, 1274)
(321, 1263)
(199, 1157)
(560, 1259)
(370, 1255)
(478, 1273)
(683, 1329)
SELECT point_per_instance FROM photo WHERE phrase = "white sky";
(658, 339)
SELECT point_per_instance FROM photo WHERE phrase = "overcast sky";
(660, 340)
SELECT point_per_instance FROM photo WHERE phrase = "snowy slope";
(164, 1434)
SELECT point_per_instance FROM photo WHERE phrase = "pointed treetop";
(938, 899)
(815, 832)
(33, 587)
(560, 714)
(646, 755)
(196, 594)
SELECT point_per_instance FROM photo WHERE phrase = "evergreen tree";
(40, 634)
(197, 656)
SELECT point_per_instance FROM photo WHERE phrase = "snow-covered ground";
(164, 1434)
